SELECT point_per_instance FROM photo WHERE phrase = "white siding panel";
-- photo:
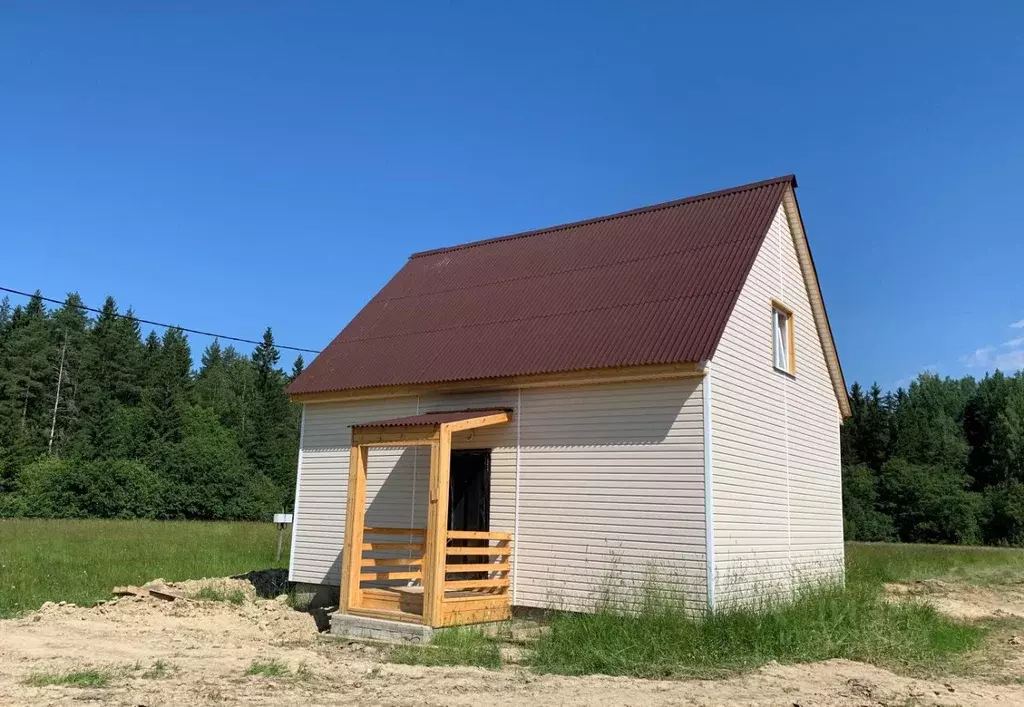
(322, 490)
(611, 486)
(611, 492)
(776, 469)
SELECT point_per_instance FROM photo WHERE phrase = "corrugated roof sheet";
(650, 286)
(433, 418)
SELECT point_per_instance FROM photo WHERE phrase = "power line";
(66, 303)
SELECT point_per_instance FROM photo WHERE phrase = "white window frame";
(783, 340)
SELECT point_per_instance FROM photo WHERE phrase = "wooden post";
(437, 529)
(352, 551)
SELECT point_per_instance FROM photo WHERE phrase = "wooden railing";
(471, 553)
(392, 554)
(476, 585)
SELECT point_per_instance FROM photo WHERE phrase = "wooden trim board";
(543, 380)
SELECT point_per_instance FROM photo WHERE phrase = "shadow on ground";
(271, 583)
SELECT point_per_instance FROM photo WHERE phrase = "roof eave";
(542, 380)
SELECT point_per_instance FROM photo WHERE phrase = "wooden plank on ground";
(157, 591)
(161, 592)
(130, 590)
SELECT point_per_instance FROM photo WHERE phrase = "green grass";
(160, 669)
(876, 563)
(453, 646)
(80, 561)
(663, 640)
(75, 678)
(268, 669)
(232, 596)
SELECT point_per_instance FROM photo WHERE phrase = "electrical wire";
(133, 318)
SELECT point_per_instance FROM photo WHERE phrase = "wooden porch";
(433, 575)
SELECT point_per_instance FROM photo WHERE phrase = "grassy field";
(80, 561)
(878, 563)
(855, 621)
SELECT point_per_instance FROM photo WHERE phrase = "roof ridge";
(609, 217)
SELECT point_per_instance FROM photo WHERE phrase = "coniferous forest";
(136, 432)
(97, 421)
(942, 461)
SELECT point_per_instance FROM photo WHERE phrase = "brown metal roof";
(650, 286)
(433, 418)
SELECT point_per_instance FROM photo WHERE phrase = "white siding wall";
(611, 492)
(323, 484)
(610, 486)
(775, 439)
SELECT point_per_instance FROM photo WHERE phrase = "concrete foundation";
(379, 629)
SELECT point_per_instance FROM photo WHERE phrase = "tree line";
(97, 421)
(942, 461)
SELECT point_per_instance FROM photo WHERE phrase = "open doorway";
(469, 503)
(469, 490)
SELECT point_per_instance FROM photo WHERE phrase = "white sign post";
(283, 520)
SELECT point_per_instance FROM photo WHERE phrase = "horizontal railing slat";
(479, 567)
(478, 535)
(390, 545)
(476, 584)
(478, 550)
(393, 561)
(385, 574)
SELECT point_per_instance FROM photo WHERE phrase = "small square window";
(783, 354)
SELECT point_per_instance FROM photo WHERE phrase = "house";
(559, 415)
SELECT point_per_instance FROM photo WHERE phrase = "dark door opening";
(469, 504)
(469, 490)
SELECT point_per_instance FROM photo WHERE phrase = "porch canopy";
(434, 430)
(423, 429)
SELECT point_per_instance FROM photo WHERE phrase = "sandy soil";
(211, 644)
(962, 601)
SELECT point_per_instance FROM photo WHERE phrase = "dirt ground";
(208, 646)
(964, 602)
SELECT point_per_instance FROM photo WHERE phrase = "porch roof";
(437, 418)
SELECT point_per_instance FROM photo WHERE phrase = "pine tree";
(269, 438)
(70, 328)
(298, 367)
(150, 356)
(112, 385)
(167, 386)
(5, 316)
(24, 382)
(213, 356)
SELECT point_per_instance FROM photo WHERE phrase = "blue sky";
(229, 166)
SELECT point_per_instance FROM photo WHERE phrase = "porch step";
(352, 626)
